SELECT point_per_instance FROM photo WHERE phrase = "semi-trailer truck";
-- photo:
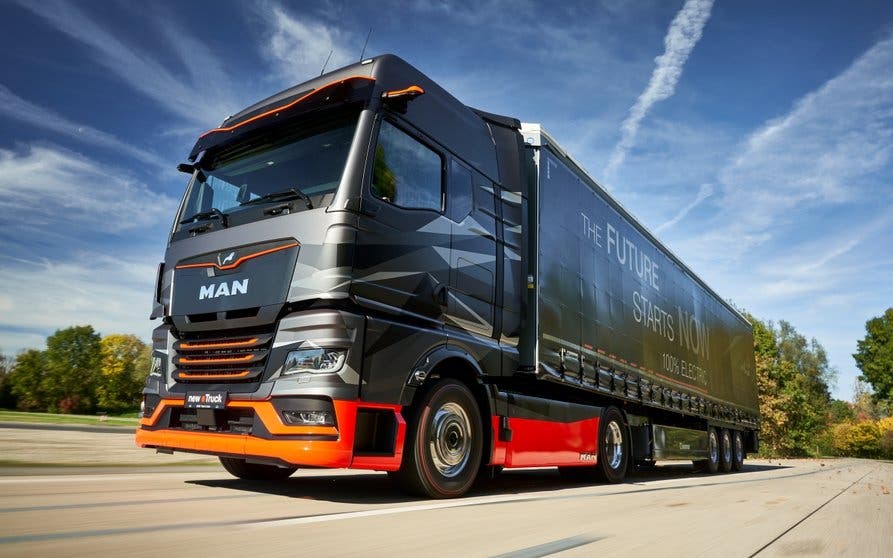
(366, 273)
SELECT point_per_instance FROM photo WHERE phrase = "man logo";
(225, 260)
(223, 289)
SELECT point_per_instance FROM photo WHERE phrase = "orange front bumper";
(335, 452)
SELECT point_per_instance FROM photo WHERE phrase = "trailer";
(366, 273)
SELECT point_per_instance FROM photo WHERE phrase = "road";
(771, 508)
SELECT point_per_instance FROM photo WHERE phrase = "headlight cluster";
(314, 361)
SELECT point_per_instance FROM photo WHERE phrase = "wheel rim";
(714, 452)
(739, 448)
(613, 445)
(726, 447)
(450, 440)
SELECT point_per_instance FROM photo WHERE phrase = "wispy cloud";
(683, 34)
(704, 192)
(46, 190)
(829, 150)
(298, 46)
(190, 98)
(111, 292)
(14, 107)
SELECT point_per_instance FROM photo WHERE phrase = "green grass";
(51, 418)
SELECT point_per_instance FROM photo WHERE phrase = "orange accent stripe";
(241, 260)
(185, 376)
(398, 92)
(284, 107)
(186, 360)
(231, 344)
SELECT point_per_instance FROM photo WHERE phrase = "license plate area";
(205, 400)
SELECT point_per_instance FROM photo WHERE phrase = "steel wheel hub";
(450, 441)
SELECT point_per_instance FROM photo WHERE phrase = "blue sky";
(755, 138)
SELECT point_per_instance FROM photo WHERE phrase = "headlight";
(314, 361)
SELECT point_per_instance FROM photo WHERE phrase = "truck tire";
(711, 464)
(255, 471)
(737, 450)
(725, 450)
(613, 447)
(444, 443)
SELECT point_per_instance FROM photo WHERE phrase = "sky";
(755, 139)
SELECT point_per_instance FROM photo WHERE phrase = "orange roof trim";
(286, 106)
(412, 90)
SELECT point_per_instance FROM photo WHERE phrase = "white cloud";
(704, 192)
(683, 34)
(14, 107)
(192, 99)
(299, 45)
(829, 150)
(111, 292)
(49, 191)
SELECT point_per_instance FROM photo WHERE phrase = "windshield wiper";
(290, 194)
(212, 213)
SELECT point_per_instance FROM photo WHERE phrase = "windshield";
(310, 162)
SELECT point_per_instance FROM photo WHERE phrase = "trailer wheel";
(737, 450)
(711, 464)
(255, 471)
(613, 447)
(725, 450)
(444, 442)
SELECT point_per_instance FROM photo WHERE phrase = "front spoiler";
(313, 446)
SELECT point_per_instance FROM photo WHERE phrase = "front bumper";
(365, 436)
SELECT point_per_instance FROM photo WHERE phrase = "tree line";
(80, 371)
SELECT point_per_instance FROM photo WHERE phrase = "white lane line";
(396, 510)
(96, 478)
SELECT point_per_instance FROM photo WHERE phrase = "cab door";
(403, 245)
(471, 209)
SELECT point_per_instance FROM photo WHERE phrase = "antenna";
(364, 44)
(321, 72)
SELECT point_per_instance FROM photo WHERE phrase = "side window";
(459, 191)
(406, 173)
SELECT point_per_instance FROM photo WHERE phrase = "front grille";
(230, 421)
(234, 358)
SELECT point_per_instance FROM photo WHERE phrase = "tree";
(125, 365)
(874, 355)
(72, 368)
(7, 398)
(792, 382)
(26, 380)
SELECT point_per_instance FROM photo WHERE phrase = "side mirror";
(188, 168)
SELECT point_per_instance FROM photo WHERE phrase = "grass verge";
(53, 418)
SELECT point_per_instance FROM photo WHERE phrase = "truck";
(366, 273)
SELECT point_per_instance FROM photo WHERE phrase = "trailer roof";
(535, 135)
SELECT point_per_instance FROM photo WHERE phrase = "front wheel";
(444, 443)
(255, 471)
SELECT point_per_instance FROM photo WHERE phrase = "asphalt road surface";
(771, 508)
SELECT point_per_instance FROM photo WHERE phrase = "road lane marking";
(549, 548)
(126, 503)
